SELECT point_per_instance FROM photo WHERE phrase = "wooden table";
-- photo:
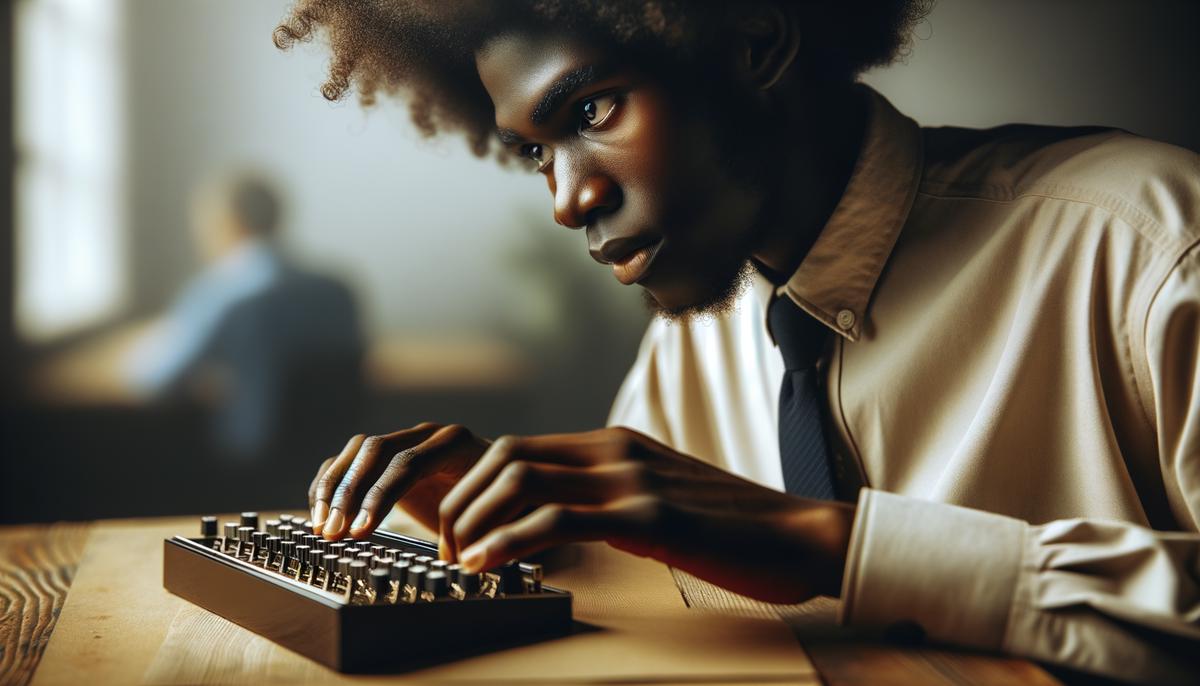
(93, 371)
(38, 564)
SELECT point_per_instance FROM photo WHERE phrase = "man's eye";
(532, 151)
(537, 153)
(593, 112)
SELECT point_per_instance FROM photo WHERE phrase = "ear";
(768, 41)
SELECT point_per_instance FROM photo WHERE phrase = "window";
(70, 217)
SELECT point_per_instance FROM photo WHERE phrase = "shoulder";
(1151, 186)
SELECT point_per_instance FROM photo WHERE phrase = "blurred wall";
(1133, 64)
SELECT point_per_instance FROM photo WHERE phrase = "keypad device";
(386, 603)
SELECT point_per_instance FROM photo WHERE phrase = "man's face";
(632, 161)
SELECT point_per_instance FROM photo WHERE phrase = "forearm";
(822, 534)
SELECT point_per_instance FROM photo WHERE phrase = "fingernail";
(472, 559)
(333, 525)
(319, 512)
(360, 521)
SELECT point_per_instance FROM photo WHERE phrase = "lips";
(630, 257)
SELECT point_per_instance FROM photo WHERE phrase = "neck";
(232, 247)
(822, 144)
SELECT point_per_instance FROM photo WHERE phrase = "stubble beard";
(719, 303)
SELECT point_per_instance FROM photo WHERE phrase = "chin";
(713, 298)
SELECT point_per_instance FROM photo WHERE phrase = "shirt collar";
(251, 256)
(835, 281)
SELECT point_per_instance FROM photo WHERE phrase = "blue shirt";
(288, 338)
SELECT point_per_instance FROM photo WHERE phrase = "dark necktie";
(801, 431)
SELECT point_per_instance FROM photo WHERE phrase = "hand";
(414, 469)
(527, 494)
(509, 499)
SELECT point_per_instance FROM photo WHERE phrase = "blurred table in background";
(118, 625)
(91, 372)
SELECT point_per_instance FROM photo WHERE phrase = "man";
(993, 334)
(273, 335)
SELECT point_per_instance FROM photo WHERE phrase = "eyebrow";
(509, 137)
(555, 96)
(565, 86)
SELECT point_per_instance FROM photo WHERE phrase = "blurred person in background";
(275, 348)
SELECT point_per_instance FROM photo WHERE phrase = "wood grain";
(117, 613)
(37, 564)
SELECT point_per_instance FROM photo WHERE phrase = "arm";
(1103, 597)
(165, 355)
(495, 501)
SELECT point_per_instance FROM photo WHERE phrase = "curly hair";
(424, 51)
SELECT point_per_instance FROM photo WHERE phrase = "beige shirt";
(1014, 375)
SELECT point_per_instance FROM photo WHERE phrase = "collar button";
(845, 320)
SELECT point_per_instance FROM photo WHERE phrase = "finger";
(328, 479)
(579, 450)
(364, 468)
(448, 448)
(312, 487)
(523, 485)
(552, 525)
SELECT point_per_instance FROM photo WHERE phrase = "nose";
(581, 197)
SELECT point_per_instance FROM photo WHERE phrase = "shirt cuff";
(949, 570)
